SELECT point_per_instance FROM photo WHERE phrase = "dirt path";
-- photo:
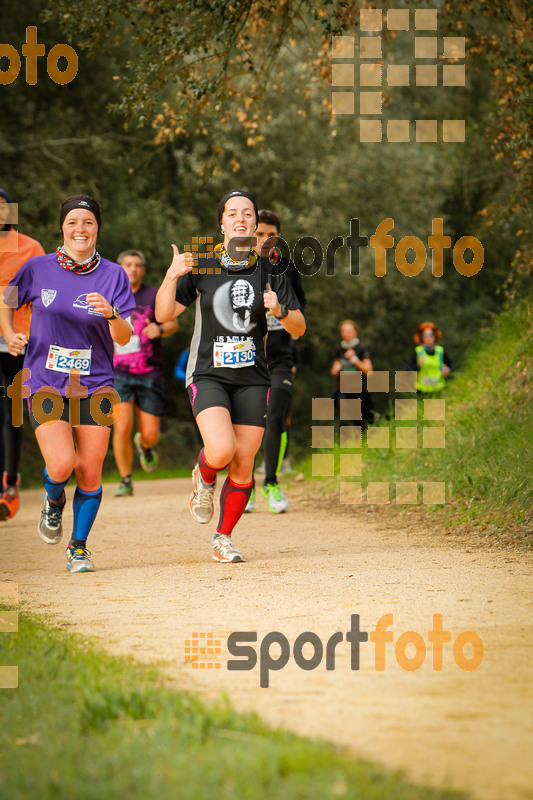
(309, 570)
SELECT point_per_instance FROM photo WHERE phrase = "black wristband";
(114, 315)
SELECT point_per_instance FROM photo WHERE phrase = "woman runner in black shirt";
(227, 375)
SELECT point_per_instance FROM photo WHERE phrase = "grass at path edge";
(88, 726)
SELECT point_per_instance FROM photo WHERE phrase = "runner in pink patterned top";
(139, 377)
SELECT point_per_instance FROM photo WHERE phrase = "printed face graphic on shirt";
(232, 305)
(242, 298)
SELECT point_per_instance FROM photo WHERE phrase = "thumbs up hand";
(182, 263)
(270, 300)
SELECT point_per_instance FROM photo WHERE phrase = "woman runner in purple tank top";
(80, 306)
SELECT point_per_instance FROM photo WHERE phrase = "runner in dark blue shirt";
(139, 377)
(280, 358)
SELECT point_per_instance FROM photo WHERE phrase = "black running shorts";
(247, 405)
(146, 394)
(94, 410)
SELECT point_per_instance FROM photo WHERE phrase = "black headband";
(79, 201)
(227, 196)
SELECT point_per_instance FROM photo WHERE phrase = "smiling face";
(80, 231)
(238, 218)
(134, 269)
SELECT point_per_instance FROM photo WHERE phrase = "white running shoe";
(78, 559)
(250, 505)
(224, 551)
(277, 502)
(201, 501)
(125, 488)
(50, 527)
(147, 455)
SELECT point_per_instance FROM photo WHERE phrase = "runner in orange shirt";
(15, 250)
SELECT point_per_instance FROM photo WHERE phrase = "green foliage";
(158, 157)
(489, 454)
(488, 458)
(189, 45)
(94, 727)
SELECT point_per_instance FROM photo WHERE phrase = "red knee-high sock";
(207, 472)
(233, 500)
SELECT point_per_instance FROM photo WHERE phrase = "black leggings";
(273, 440)
(10, 437)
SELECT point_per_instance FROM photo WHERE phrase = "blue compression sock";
(54, 489)
(85, 507)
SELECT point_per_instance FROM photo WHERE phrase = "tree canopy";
(175, 103)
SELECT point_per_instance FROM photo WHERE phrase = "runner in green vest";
(429, 359)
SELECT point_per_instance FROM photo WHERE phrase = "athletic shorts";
(282, 379)
(147, 394)
(247, 405)
(101, 408)
(9, 367)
